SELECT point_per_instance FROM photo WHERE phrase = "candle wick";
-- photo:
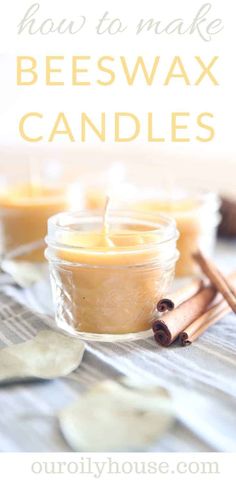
(105, 215)
(105, 241)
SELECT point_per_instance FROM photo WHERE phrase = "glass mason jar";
(32, 189)
(106, 284)
(197, 218)
(23, 223)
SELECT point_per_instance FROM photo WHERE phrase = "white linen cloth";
(201, 378)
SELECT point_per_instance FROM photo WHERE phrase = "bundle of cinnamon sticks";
(193, 309)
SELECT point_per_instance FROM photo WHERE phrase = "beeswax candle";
(24, 212)
(196, 218)
(107, 281)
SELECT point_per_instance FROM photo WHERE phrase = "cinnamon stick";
(217, 279)
(200, 325)
(227, 227)
(166, 330)
(179, 296)
(165, 304)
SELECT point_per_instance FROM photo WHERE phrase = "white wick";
(105, 214)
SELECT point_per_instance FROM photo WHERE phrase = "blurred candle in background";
(26, 203)
(23, 216)
(111, 182)
(197, 218)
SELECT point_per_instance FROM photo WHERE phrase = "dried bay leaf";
(115, 417)
(48, 355)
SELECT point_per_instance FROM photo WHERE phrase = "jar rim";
(162, 227)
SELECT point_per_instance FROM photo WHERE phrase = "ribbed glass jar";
(106, 285)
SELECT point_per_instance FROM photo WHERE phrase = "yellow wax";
(24, 212)
(115, 248)
(110, 287)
